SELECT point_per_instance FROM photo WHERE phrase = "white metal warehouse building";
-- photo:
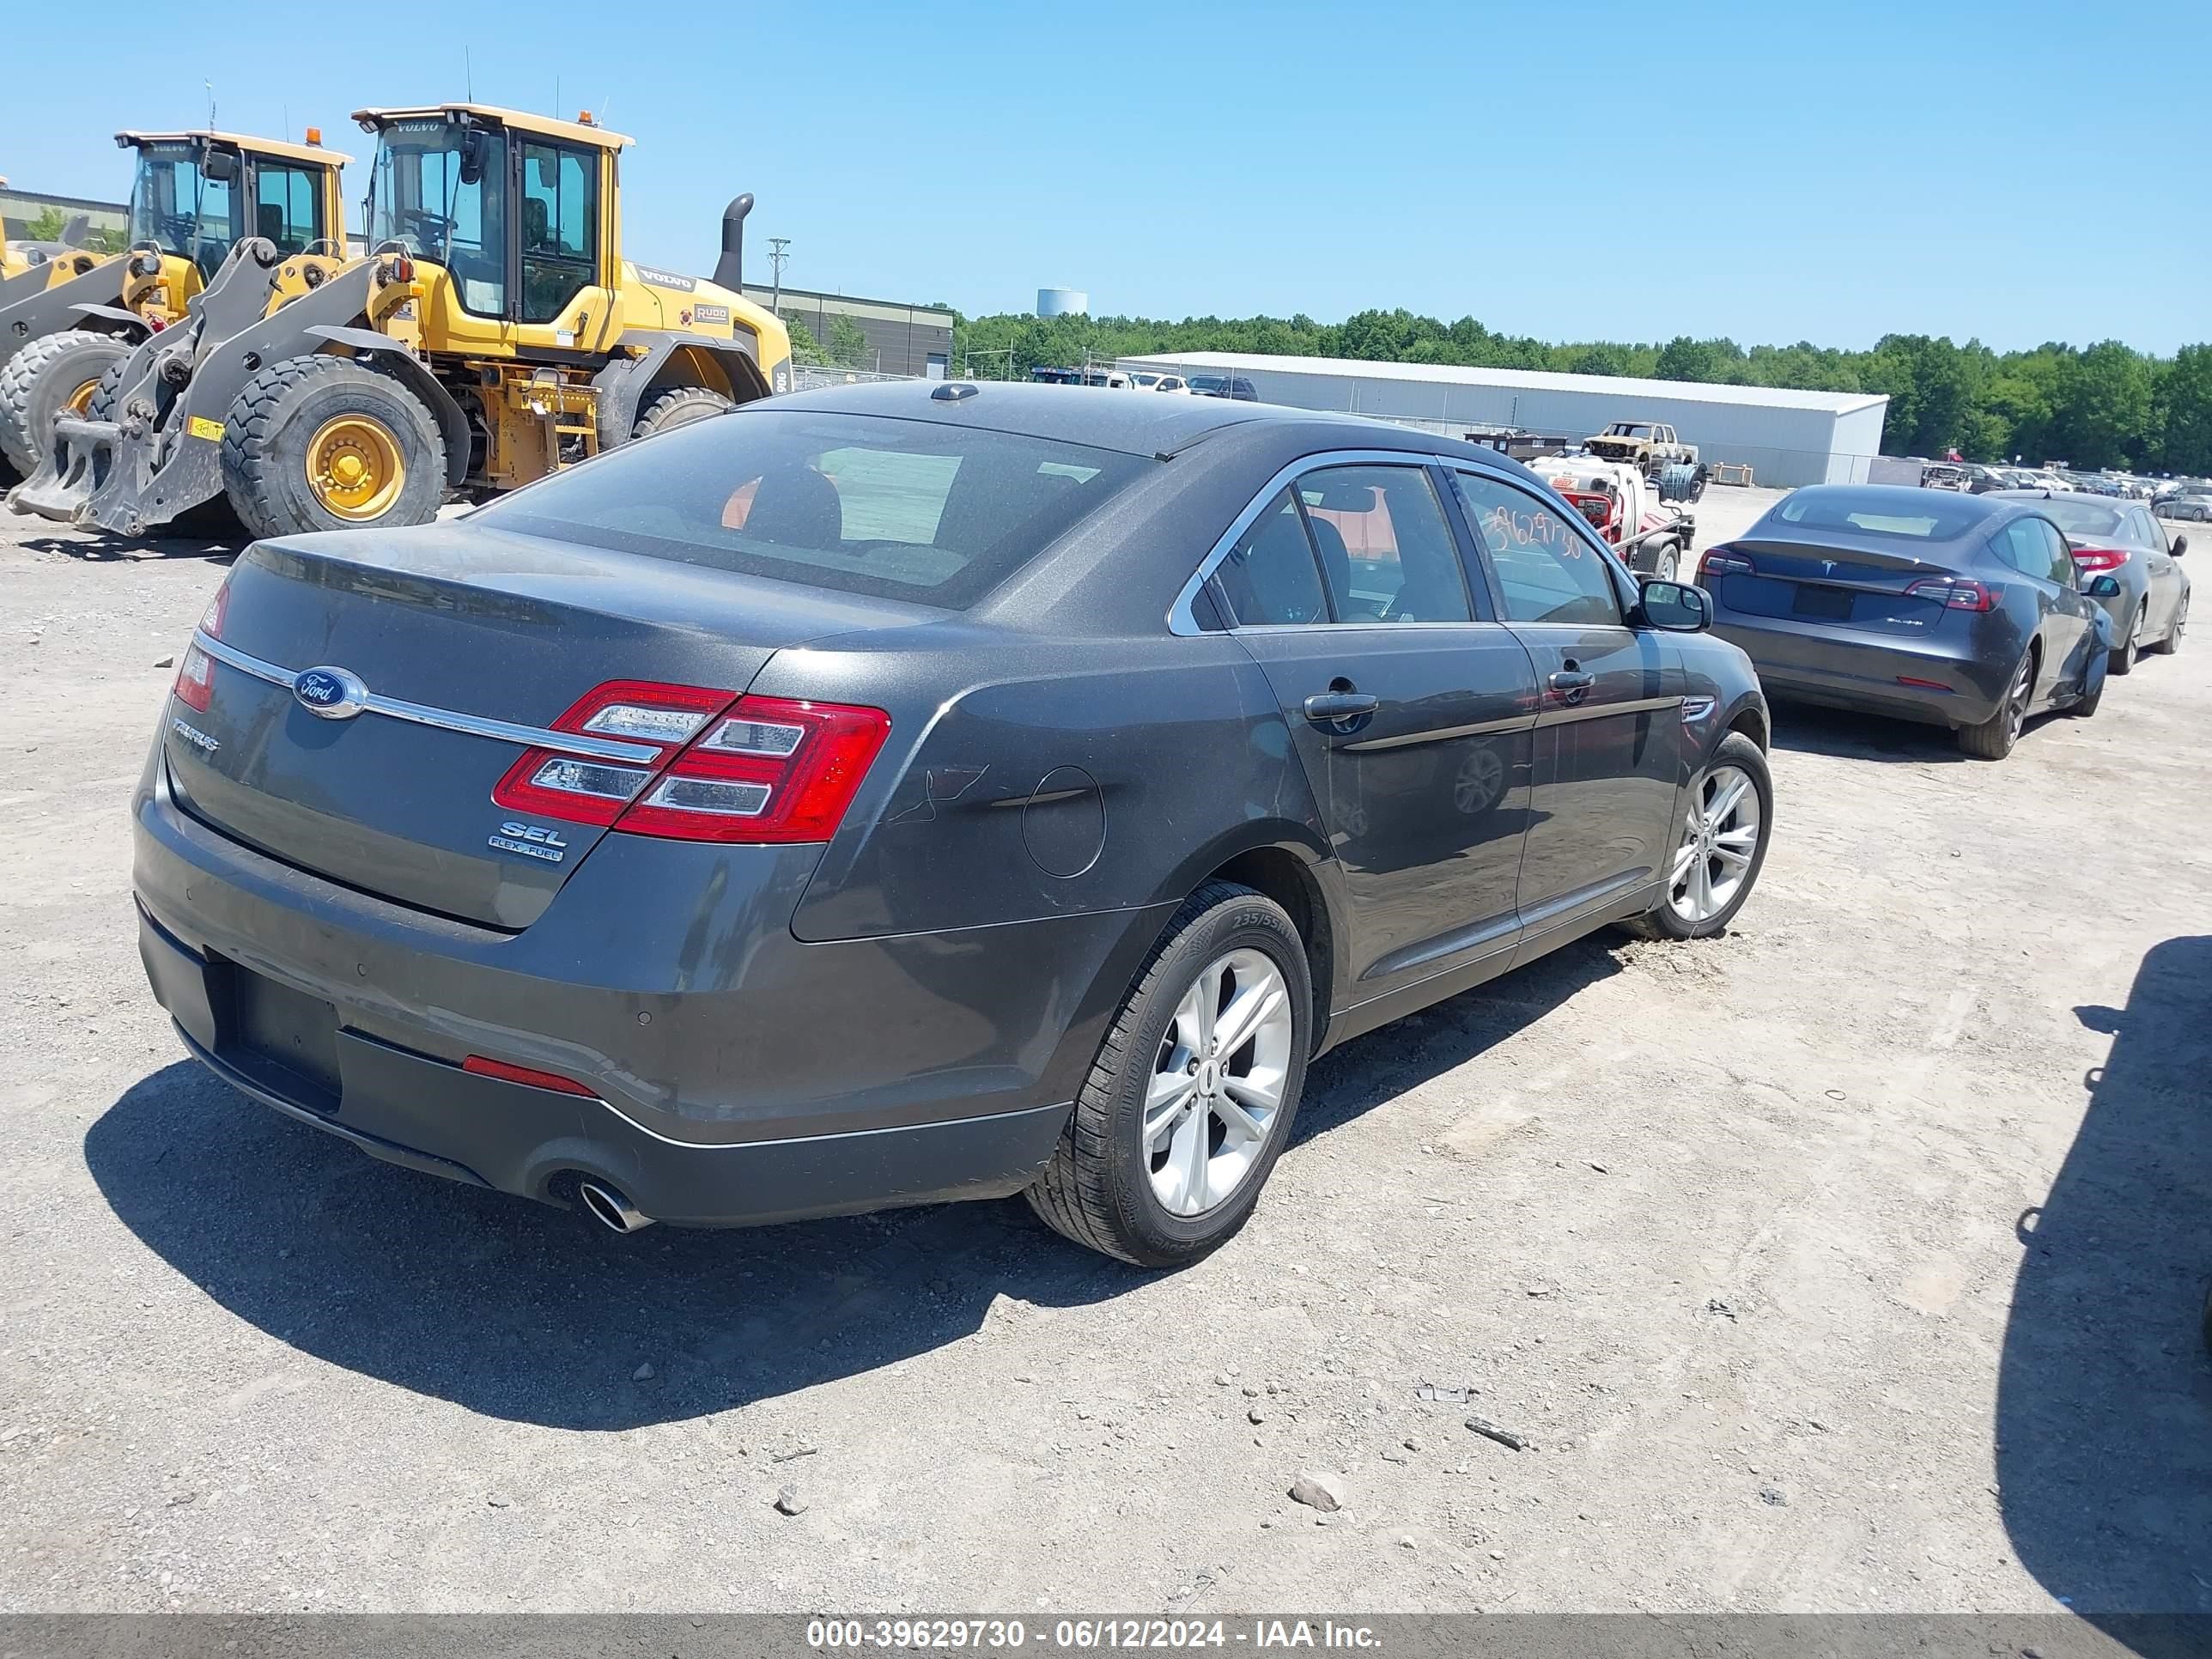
(1785, 437)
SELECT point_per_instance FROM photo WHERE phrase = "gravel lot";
(1852, 1261)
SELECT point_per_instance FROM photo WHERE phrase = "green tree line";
(2102, 406)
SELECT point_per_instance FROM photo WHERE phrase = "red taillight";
(1722, 561)
(1956, 593)
(584, 789)
(769, 770)
(720, 767)
(194, 686)
(2091, 559)
(506, 1073)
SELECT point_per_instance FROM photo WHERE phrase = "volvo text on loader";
(492, 333)
(69, 316)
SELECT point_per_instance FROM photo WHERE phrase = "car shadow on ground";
(1816, 730)
(520, 1311)
(2104, 1418)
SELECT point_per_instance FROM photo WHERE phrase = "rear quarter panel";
(1028, 778)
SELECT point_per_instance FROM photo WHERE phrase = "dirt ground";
(1853, 1261)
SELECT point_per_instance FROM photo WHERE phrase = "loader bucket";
(80, 453)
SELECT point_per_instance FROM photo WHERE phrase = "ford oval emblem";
(331, 693)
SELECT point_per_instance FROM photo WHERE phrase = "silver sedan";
(2123, 539)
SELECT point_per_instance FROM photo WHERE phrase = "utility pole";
(776, 255)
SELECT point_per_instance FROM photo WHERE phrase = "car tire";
(296, 422)
(1667, 562)
(2172, 641)
(1993, 739)
(2124, 653)
(678, 405)
(1679, 915)
(1133, 1141)
(51, 376)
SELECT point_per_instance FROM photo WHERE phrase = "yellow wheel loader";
(493, 333)
(194, 196)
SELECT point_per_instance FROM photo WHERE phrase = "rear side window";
(1386, 547)
(2031, 547)
(1270, 577)
(896, 509)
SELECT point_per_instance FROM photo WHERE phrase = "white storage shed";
(1786, 438)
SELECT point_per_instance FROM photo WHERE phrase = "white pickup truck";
(1648, 445)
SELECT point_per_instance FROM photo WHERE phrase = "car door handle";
(1329, 707)
(1573, 685)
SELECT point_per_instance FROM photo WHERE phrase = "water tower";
(1063, 302)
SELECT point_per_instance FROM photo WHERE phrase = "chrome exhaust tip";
(610, 1209)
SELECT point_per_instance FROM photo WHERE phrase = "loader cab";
(511, 220)
(194, 196)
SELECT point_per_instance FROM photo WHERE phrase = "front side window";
(177, 208)
(896, 509)
(1387, 551)
(560, 219)
(1546, 570)
(440, 192)
(1269, 578)
(288, 206)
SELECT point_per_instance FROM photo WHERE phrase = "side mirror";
(2105, 588)
(2180, 546)
(473, 146)
(220, 166)
(1676, 607)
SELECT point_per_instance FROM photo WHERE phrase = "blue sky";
(2018, 172)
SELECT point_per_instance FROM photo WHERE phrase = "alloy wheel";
(1216, 1090)
(2016, 699)
(1720, 837)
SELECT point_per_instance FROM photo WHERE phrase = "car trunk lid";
(1854, 587)
(467, 644)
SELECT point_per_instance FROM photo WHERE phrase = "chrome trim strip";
(446, 719)
(1444, 734)
(1182, 620)
(244, 663)
(1567, 714)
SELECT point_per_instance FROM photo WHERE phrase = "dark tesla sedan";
(1955, 609)
(893, 794)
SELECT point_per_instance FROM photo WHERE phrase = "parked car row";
(1973, 613)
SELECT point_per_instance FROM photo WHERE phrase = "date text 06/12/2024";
(1087, 1635)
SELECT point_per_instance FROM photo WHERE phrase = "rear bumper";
(1802, 663)
(426, 1115)
(742, 1076)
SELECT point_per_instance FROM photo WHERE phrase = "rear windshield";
(2081, 518)
(1880, 513)
(896, 509)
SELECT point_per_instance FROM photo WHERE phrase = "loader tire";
(51, 376)
(678, 405)
(331, 443)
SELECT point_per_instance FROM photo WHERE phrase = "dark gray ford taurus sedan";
(909, 793)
